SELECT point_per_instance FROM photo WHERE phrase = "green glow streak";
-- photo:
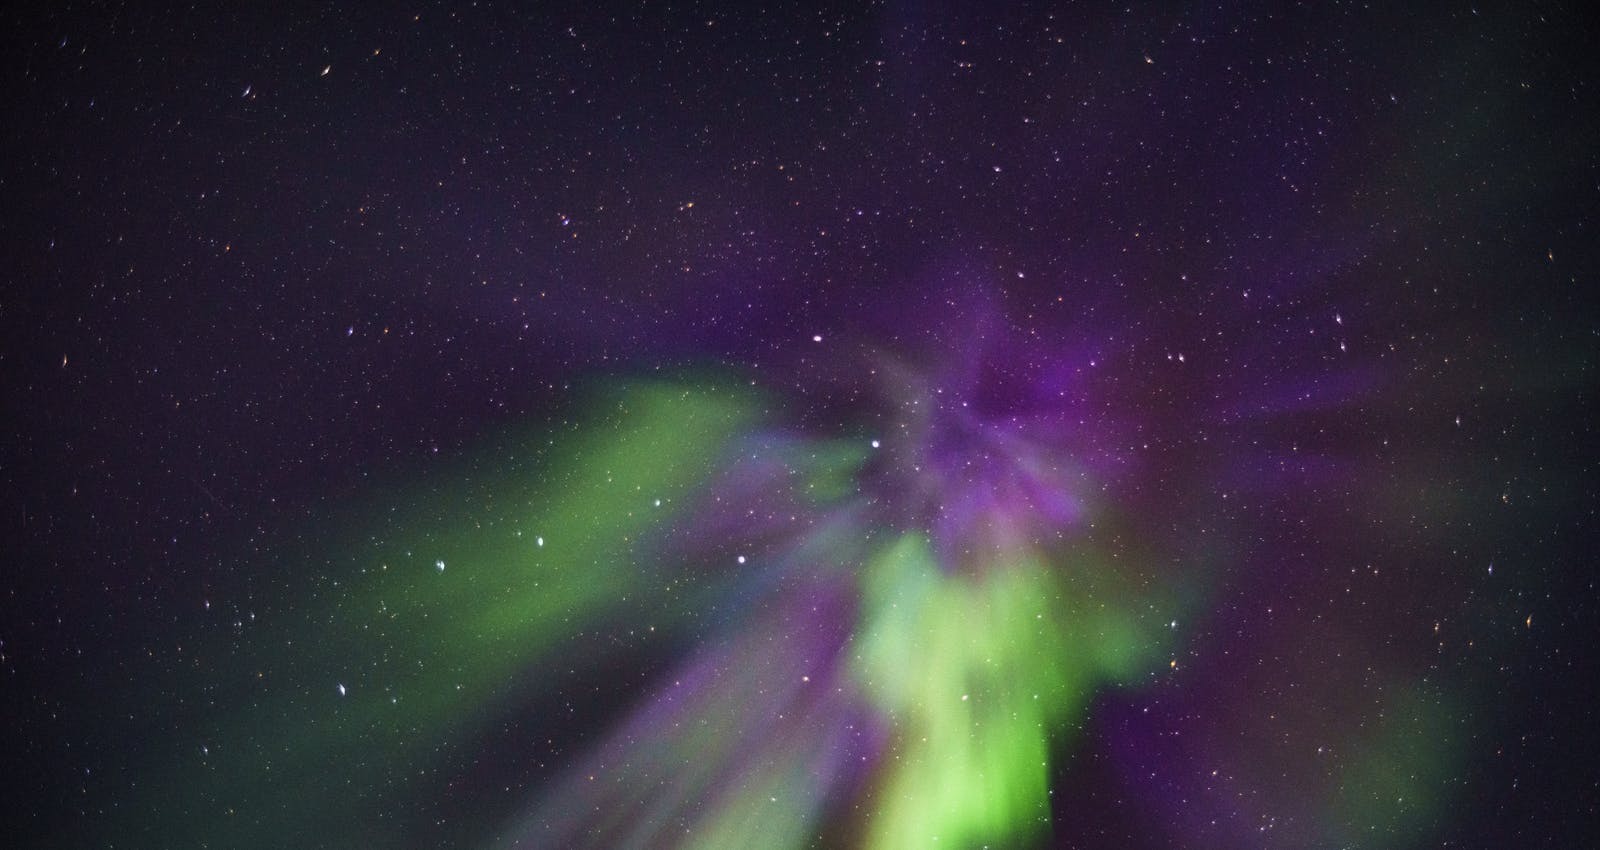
(979, 675)
(429, 656)
(832, 470)
(1399, 770)
(525, 570)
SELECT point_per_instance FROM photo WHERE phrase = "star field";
(882, 425)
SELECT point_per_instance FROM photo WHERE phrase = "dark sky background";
(260, 262)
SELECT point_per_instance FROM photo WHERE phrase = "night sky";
(894, 425)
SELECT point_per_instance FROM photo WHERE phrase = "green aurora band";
(979, 676)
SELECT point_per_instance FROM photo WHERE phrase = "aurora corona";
(904, 668)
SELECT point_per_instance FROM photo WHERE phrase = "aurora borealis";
(884, 426)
